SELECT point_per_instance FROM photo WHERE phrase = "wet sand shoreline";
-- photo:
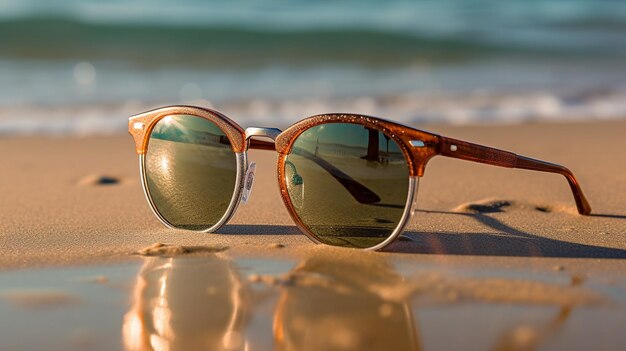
(322, 299)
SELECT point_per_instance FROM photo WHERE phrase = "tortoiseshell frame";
(417, 146)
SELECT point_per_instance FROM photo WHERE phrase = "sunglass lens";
(347, 184)
(190, 171)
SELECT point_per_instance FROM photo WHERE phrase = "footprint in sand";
(169, 250)
(495, 206)
(485, 206)
(95, 179)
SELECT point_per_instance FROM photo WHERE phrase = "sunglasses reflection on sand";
(327, 302)
(346, 179)
(206, 304)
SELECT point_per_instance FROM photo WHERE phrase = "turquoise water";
(82, 66)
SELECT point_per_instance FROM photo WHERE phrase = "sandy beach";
(501, 245)
(492, 259)
(69, 200)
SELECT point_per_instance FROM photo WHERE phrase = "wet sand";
(494, 259)
(324, 300)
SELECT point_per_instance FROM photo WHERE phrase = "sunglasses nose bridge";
(271, 133)
(248, 174)
(263, 133)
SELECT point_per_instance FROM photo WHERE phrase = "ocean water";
(79, 66)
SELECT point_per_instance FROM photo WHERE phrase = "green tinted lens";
(347, 183)
(190, 171)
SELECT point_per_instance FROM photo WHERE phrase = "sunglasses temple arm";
(483, 154)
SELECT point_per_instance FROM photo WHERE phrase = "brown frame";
(417, 146)
(140, 126)
(434, 145)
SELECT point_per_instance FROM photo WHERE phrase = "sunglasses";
(346, 179)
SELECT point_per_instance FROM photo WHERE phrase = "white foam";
(412, 108)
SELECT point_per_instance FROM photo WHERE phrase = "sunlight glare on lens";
(165, 163)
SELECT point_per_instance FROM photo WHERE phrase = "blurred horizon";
(83, 66)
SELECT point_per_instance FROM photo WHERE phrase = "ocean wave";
(212, 44)
(79, 66)
(411, 109)
(58, 36)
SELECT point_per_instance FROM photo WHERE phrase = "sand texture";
(68, 200)
(494, 258)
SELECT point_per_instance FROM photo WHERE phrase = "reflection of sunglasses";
(360, 173)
